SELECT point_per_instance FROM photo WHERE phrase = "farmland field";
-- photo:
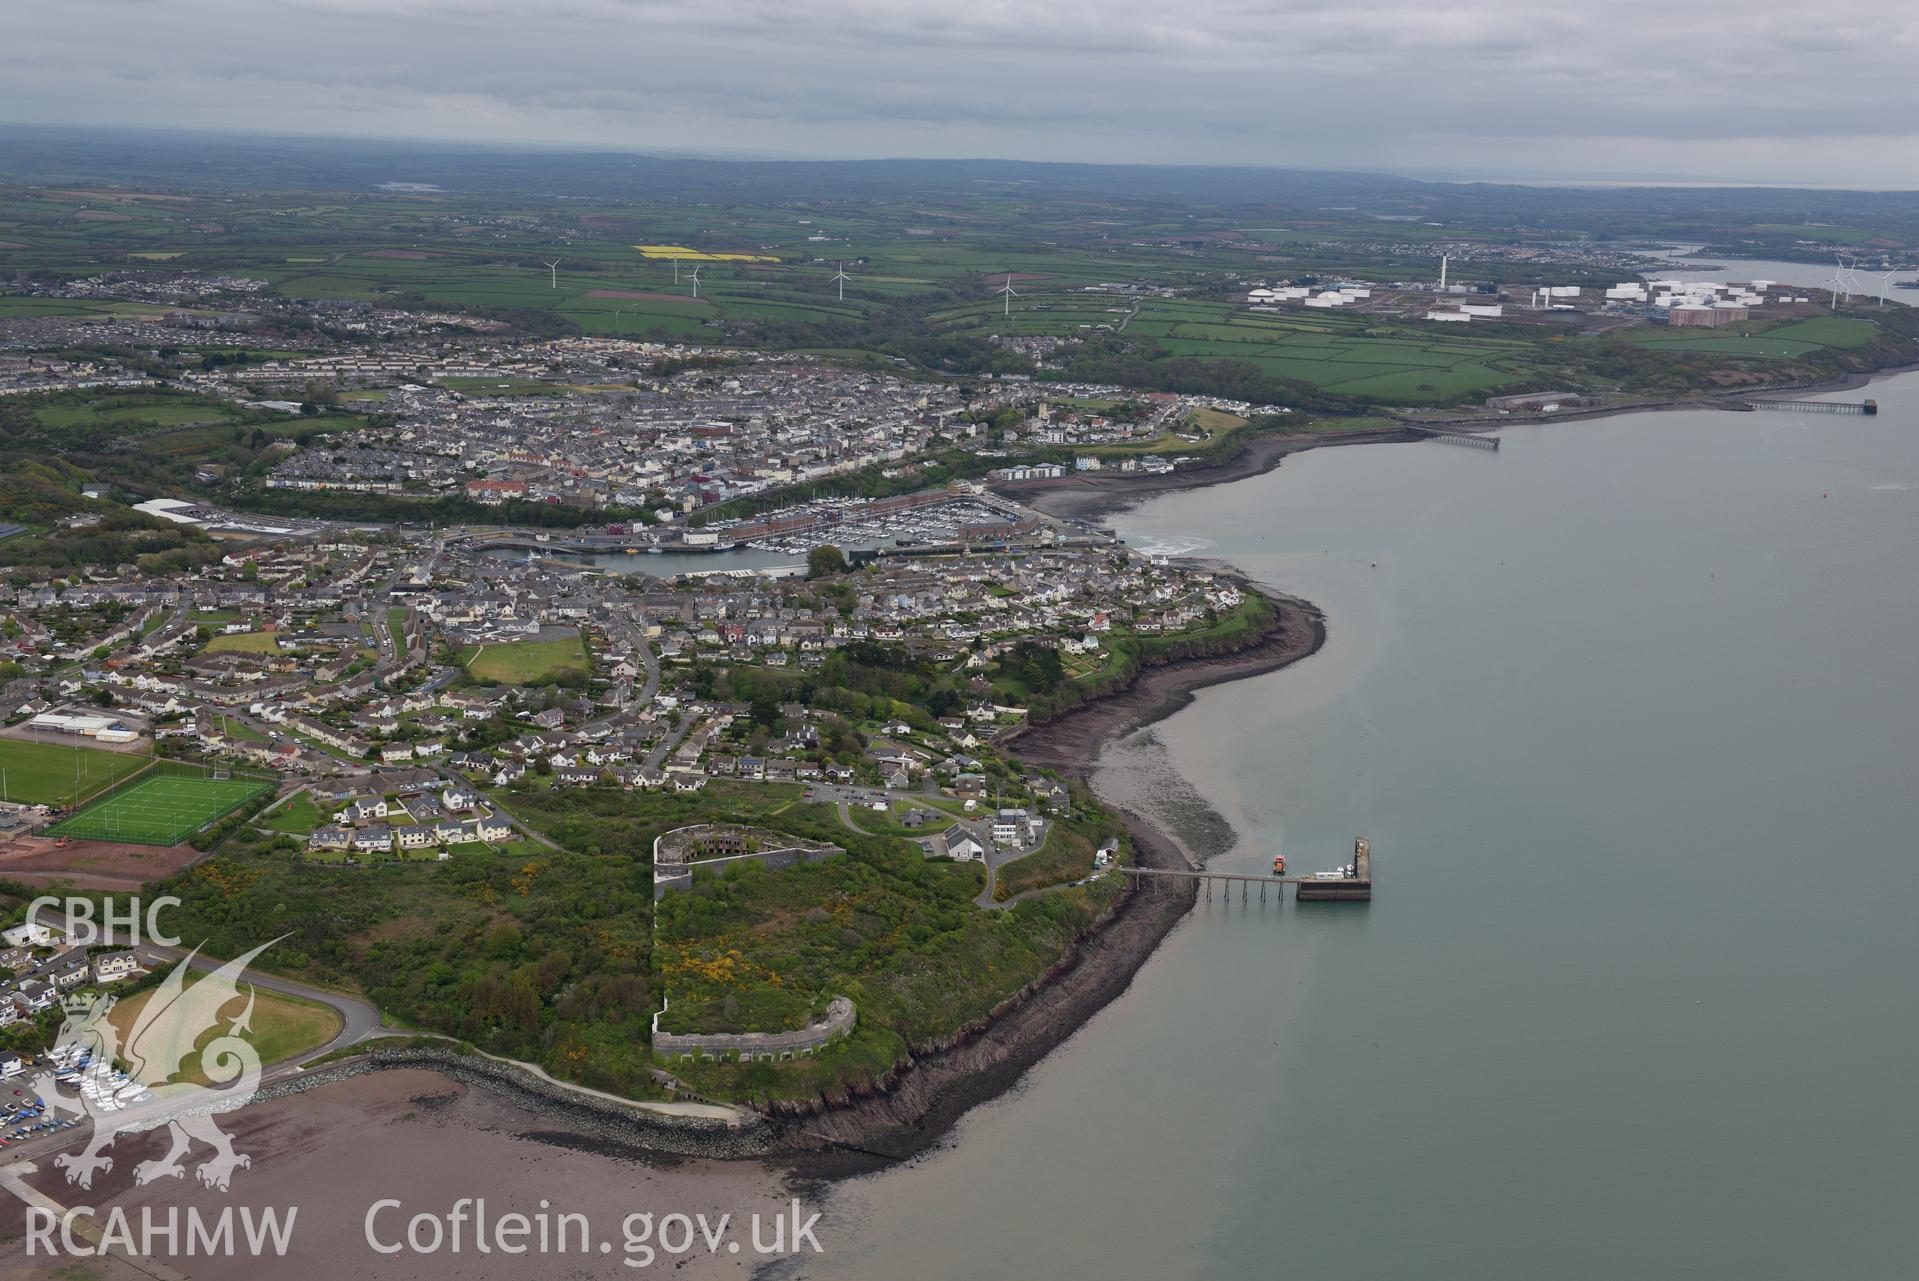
(17, 306)
(1216, 420)
(44, 773)
(696, 255)
(1829, 331)
(1152, 292)
(1760, 338)
(1351, 355)
(1725, 344)
(167, 410)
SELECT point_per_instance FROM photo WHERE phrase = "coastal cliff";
(922, 1099)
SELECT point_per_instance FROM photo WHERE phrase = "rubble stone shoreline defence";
(904, 1114)
(580, 1120)
(923, 1099)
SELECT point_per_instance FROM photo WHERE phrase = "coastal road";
(985, 897)
(995, 858)
(359, 1021)
(845, 798)
(359, 1017)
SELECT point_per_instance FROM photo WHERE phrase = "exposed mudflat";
(428, 1141)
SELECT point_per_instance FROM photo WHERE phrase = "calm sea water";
(1630, 713)
(1811, 276)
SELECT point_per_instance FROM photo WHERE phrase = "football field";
(162, 810)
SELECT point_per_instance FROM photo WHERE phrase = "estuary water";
(1629, 711)
(1812, 276)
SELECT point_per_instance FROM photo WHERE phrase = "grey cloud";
(1715, 88)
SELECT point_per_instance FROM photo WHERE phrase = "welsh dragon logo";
(163, 1041)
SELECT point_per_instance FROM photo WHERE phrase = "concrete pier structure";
(1817, 406)
(1355, 888)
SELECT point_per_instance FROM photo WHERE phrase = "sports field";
(162, 810)
(46, 773)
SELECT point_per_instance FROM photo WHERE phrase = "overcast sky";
(1709, 90)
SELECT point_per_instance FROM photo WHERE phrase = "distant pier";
(1455, 436)
(1356, 887)
(1817, 406)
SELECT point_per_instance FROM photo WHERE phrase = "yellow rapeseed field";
(697, 255)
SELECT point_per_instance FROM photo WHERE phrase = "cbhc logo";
(82, 930)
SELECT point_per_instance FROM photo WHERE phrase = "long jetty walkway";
(1817, 406)
(1455, 436)
(1354, 888)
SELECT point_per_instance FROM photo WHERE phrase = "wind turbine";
(1832, 283)
(676, 269)
(1010, 292)
(1885, 284)
(1848, 280)
(554, 268)
(696, 282)
(840, 276)
(1838, 285)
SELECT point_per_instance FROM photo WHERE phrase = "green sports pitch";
(160, 810)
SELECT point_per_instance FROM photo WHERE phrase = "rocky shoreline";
(584, 1121)
(919, 1103)
(1088, 496)
(929, 1095)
